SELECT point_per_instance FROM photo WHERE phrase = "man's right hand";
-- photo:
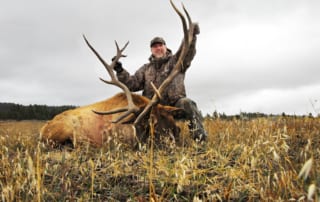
(118, 66)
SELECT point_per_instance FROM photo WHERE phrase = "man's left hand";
(196, 29)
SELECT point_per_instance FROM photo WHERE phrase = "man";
(157, 70)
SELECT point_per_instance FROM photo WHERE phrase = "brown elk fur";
(83, 125)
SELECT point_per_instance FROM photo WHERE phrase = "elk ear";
(177, 113)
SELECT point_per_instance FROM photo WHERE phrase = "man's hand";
(196, 29)
(118, 66)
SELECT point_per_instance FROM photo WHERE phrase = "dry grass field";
(265, 159)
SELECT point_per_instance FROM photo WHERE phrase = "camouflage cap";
(157, 40)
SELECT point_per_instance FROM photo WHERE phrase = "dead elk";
(83, 125)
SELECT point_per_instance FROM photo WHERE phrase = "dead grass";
(257, 160)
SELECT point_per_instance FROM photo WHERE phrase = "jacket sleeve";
(133, 82)
(190, 54)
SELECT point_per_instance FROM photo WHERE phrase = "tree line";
(253, 115)
(12, 111)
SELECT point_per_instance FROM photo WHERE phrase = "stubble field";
(265, 159)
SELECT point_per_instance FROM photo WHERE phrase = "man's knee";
(197, 130)
(189, 106)
(185, 103)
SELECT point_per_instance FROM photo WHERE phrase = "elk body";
(83, 125)
(125, 116)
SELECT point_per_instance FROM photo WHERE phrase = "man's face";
(158, 50)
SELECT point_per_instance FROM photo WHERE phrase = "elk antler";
(131, 108)
(188, 30)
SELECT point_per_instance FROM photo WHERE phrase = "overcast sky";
(252, 55)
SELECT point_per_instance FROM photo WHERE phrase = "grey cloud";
(244, 48)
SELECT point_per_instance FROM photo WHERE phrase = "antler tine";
(122, 49)
(98, 56)
(132, 108)
(124, 115)
(111, 111)
(187, 14)
(183, 20)
(119, 51)
(191, 25)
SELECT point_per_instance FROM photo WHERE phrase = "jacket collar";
(159, 61)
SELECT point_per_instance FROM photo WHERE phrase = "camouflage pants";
(194, 116)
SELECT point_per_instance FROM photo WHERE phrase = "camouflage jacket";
(156, 71)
